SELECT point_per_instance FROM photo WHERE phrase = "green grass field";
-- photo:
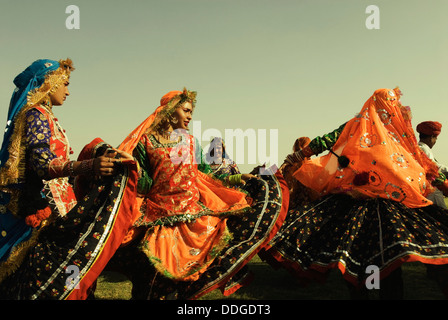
(270, 284)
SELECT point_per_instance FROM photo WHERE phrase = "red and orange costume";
(192, 233)
(373, 208)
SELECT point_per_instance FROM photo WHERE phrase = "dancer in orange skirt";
(372, 208)
(192, 232)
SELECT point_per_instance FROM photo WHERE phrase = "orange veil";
(384, 157)
(167, 103)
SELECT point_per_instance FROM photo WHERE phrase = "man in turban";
(428, 133)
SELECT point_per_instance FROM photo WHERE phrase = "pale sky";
(299, 68)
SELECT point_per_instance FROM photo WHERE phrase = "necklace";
(167, 137)
(165, 134)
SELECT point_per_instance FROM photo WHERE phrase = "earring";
(46, 100)
(173, 120)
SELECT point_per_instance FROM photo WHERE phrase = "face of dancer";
(183, 115)
(58, 97)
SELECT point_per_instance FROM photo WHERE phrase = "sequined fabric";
(384, 159)
(349, 234)
(251, 233)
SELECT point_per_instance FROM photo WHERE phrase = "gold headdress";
(168, 104)
(52, 82)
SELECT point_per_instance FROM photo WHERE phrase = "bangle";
(86, 166)
(235, 179)
(298, 155)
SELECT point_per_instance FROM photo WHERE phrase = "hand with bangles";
(100, 166)
(295, 157)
